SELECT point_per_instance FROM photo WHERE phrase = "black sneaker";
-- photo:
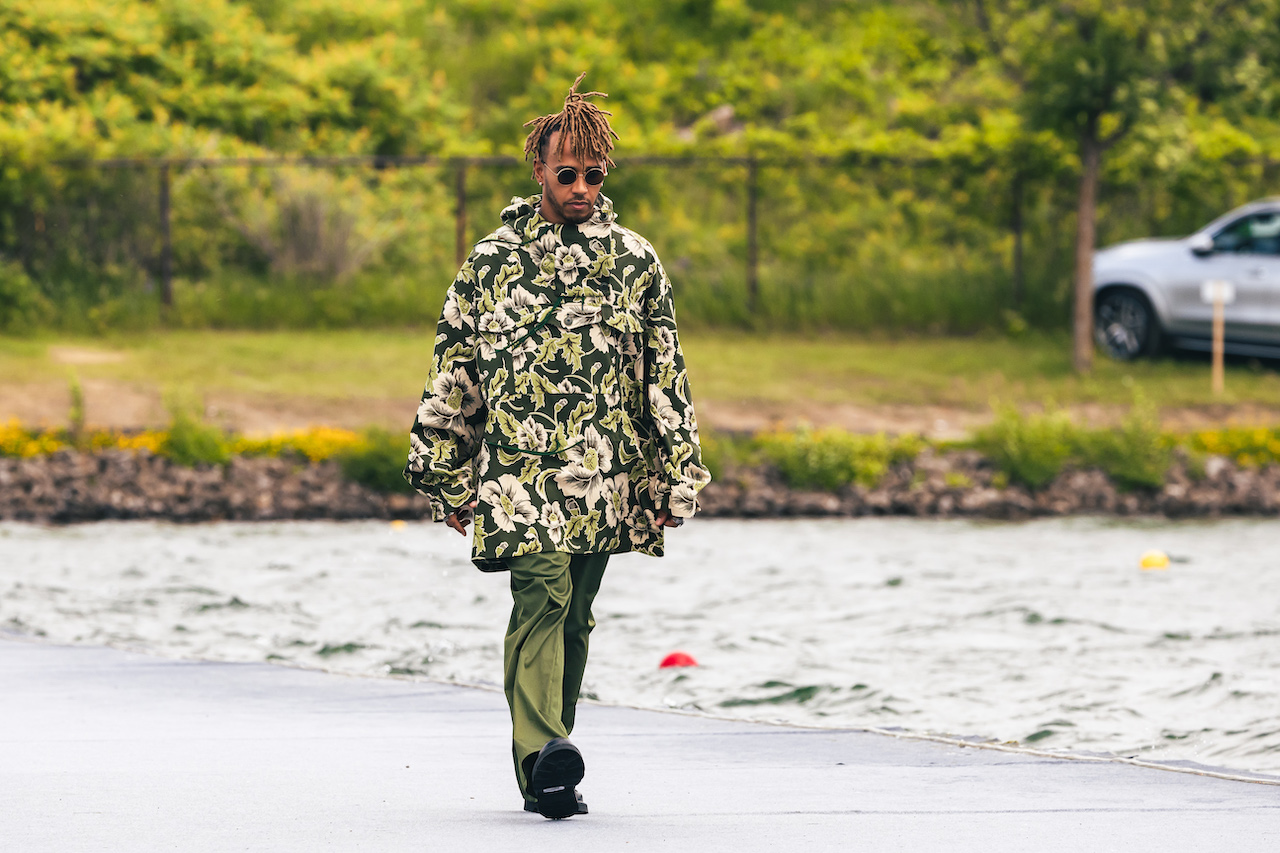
(558, 769)
(531, 806)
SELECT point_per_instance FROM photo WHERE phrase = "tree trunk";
(1086, 214)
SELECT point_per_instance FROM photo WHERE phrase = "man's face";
(563, 203)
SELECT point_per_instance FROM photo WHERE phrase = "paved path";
(106, 750)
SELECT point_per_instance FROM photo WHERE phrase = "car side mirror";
(1201, 244)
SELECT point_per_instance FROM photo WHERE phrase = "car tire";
(1124, 325)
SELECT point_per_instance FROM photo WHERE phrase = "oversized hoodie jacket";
(557, 397)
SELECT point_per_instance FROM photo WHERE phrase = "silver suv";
(1147, 292)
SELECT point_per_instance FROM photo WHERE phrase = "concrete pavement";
(107, 750)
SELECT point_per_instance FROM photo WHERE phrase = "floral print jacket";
(558, 398)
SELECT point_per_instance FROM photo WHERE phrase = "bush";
(1135, 456)
(830, 458)
(377, 461)
(192, 442)
(23, 308)
(1250, 447)
(1034, 449)
(722, 451)
(1031, 450)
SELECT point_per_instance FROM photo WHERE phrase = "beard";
(565, 213)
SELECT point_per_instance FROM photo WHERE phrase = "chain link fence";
(856, 244)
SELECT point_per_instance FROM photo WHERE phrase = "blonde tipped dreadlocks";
(586, 124)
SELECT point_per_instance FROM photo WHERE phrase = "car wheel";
(1124, 325)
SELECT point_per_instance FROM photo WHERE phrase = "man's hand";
(460, 524)
(666, 519)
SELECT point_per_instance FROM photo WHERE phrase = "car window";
(1256, 234)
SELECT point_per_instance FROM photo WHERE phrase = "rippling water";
(1044, 632)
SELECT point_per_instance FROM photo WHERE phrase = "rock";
(70, 487)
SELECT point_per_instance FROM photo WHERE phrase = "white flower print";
(418, 453)
(531, 435)
(545, 245)
(501, 239)
(570, 259)
(520, 302)
(634, 243)
(496, 322)
(589, 461)
(617, 501)
(508, 502)
(452, 399)
(683, 500)
(664, 413)
(664, 342)
(602, 359)
(452, 310)
(553, 521)
(697, 474)
(603, 338)
(640, 524)
(520, 353)
(612, 395)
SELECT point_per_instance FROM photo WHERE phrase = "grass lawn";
(961, 373)
(966, 373)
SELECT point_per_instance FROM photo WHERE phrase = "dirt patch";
(84, 355)
(938, 422)
(123, 405)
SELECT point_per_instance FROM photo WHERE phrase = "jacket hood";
(522, 213)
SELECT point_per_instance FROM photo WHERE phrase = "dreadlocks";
(586, 124)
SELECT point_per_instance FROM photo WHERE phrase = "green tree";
(1091, 71)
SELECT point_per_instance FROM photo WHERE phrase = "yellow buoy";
(1154, 560)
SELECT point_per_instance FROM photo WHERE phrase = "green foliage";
(76, 416)
(1030, 449)
(909, 230)
(1034, 449)
(189, 441)
(830, 458)
(724, 451)
(1135, 455)
(377, 461)
(1250, 447)
(23, 307)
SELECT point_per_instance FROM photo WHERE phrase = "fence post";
(753, 259)
(166, 239)
(1019, 284)
(460, 213)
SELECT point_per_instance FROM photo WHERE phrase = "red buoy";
(677, 659)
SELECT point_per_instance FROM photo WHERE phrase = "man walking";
(558, 416)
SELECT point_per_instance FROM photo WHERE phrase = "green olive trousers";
(545, 652)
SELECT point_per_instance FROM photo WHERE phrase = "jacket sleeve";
(447, 432)
(670, 406)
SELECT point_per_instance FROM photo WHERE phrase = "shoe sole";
(582, 807)
(556, 772)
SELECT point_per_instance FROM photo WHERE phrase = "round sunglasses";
(567, 175)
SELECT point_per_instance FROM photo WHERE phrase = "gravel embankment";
(70, 487)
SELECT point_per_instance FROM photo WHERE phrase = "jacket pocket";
(540, 424)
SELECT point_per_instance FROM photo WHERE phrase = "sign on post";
(1218, 293)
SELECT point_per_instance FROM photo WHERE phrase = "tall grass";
(1034, 449)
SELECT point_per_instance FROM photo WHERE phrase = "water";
(1043, 632)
